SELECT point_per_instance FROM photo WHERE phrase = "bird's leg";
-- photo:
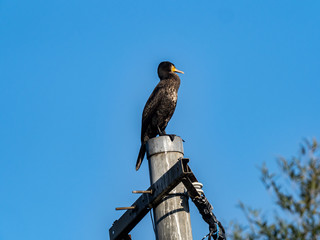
(159, 132)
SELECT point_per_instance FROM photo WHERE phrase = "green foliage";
(297, 193)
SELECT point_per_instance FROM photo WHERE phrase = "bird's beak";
(176, 70)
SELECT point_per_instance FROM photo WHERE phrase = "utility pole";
(171, 216)
(172, 181)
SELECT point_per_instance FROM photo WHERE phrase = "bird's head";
(165, 69)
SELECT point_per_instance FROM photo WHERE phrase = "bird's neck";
(172, 80)
(171, 76)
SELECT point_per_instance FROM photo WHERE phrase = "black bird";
(160, 106)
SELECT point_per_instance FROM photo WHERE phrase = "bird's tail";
(141, 155)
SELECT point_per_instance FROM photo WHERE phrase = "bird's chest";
(168, 103)
(172, 95)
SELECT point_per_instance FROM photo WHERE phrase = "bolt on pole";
(171, 216)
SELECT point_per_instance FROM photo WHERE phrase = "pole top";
(163, 144)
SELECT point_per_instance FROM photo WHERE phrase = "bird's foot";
(171, 136)
(163, 133)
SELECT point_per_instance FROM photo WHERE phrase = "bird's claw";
(171, 136)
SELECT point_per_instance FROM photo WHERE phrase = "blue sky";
(74, 78)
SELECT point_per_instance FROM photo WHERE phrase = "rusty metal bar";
(126, 208)
(142, 191)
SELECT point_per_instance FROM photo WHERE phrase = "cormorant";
(160, 106)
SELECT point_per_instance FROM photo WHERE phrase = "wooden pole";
(171, 216)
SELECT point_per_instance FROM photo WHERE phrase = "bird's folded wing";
(153, 103)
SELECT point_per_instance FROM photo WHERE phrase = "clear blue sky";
(74, 78)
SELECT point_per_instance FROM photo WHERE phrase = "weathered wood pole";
(171, 216)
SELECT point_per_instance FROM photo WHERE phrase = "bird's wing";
(152, 104)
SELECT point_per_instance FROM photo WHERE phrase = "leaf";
(299, 200)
